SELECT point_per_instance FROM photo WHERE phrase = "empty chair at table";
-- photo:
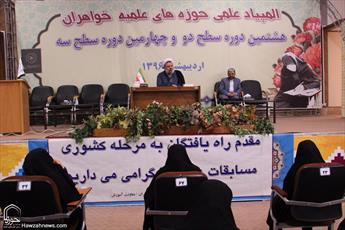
(253, 94)
(117, 95)
(63, 102)
(89, 101)
(38, 100)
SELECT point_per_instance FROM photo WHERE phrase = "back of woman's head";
(307, 152)
(38, 162)
(178, 158)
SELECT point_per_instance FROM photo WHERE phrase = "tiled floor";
(248, 216)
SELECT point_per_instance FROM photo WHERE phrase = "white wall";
(339, 5)
(334, 69)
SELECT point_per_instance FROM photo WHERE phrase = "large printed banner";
(120, 171)
(105, 42)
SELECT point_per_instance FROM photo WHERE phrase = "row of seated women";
(211, 209)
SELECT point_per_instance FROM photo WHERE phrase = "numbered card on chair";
(325, 171)
(24, 186)
(181, 182)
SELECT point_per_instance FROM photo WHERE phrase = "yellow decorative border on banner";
(11, 155)
(326, 144)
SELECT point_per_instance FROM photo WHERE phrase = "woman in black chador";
(177, 160)
(307, 153)
(38, 162)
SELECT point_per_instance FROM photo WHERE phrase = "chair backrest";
(216, 87)
(253, 88)
(33, 195)
(66, 92)
(39, 95)
(322, 182)
(215, 92)
(175, 190)
(117, 95)
(91, 94)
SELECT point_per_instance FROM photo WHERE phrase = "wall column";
(342, 27)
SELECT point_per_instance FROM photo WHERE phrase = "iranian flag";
(140, 77)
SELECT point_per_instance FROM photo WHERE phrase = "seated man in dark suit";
(230, 87)
(170, 76)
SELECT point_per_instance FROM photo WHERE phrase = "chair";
(40, 97)
(117, 95)
(89, 101)
(218, 100)
(63, 102)
(216, 93)
(316, 200)
(174, 193)
(35, 199)
(253, 88)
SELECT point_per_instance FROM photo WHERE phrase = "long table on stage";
(168, 95)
